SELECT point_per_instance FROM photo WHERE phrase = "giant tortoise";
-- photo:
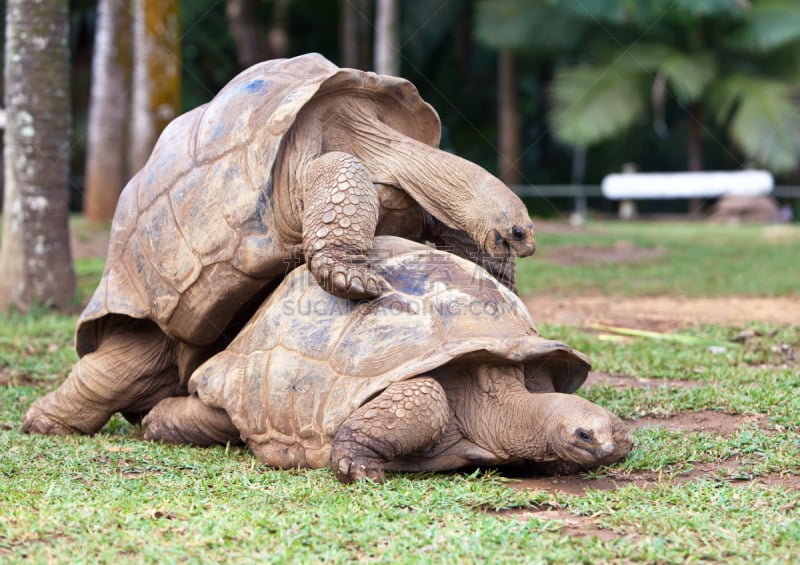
(443, 370)
(295, 160)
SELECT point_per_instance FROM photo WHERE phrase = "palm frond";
(614, 11)
(713, 8)
(640, 57)
(764, 120)
(724, 95)
(770, 24)
(527, 25)
(590, 104)
(689, 75)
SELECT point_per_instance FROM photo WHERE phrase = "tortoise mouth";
(518, 242)
(497, 246)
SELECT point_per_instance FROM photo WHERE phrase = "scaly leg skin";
(133, 366)
(186, 419)
(408, 416)
(339, 219)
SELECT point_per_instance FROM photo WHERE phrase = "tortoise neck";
(496, 412)
(444, 184)
(519, 428)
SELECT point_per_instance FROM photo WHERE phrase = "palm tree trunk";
(348, 34)
(278, 35)
(354, 37)
(109, 111)
(246, 30)
(35, 257)
(156, 74)
(694, 148)
(387, 49)
(508, 120)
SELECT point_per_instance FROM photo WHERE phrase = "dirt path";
(662, 313)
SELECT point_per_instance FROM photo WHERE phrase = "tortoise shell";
(194, 238)
(306, 360)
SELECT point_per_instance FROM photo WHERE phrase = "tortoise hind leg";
(186, 419)
(133, 367)
(340, 214)
(408, 416)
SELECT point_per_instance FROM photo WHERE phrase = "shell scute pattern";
(289, 380)
(195, 235)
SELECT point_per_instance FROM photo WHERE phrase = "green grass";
(697, 260)
(114, 497)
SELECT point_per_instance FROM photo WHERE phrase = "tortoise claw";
(349, 470)
(352, 279)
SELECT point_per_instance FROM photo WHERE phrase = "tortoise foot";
(352, 463)
(349, 277)
(156, 426)
(37, 421)
(186, 420)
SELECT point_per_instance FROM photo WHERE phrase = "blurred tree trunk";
(694, 147)
(348, 34)
(252, 46)
(278, 36)
(156, 74)
(2, 166)
(508, 119)
(35, 257)
(354, 36)
(387, 48)
(109, 111)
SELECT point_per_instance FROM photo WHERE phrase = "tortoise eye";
(585, 435)
(518, 233)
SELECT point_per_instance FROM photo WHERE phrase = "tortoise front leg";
(186, 419)
(340, 213)
(408, 416)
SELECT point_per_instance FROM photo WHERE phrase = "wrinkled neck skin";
(455, 191)
(496, 412)
(491, 422)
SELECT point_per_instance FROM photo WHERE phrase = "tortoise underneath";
(444, 370)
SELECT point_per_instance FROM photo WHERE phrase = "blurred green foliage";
(588, 71)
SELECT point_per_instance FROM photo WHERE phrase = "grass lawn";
(714, 474)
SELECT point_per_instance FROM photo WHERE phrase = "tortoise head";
(584, 433)
(467, 197)
(508, 229)
(486, 209)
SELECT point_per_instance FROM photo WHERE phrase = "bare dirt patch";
(621, 252)
(12, 377)
(728, 471)
(705, 421)
(567, 523)
(662, 313)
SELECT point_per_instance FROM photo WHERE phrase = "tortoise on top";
(280, 167)
(444, 370)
